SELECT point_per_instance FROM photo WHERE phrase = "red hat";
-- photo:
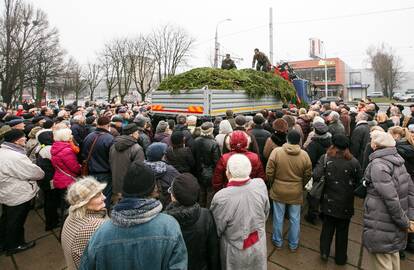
(238, 141)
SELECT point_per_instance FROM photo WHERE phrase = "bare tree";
(109, 71)
(93, 77)
(144, 66)
(170, 46)
(387, 68)
(73, 81)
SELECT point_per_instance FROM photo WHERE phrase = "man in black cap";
(139, 235)
(197, 224)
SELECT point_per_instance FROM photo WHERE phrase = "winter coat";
(346, 122)
(164, 175)
(367, 152)
(161, 137)
(220, 179)
(99, 162)
(43, 160)
(32, 144)
(305, 124)
(389, 204)
(144, 140)
(123, 152)
(188, 137)
(288, 171)
(66, 165)
(76, 233)
(206, 153)
(240, 212)
(79, 133)
(275, 140)
(200, 235)
(261, 136)
(359, 139)
(318, 146)
(336, 128)
(180, 158)
(342, 177)
(406, 150)
(18, 175)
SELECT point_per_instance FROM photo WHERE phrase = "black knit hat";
(45, 137)
(320, 128)
(293, 137)
(48, 124)
(139, 181)
(185, 189)
(129, 129)
(340, 141)
(13, 135)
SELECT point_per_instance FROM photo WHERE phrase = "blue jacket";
(156, 245)
(99, 162)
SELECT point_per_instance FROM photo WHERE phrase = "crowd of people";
(130, 190)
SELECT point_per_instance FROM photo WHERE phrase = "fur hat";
(185, 189)
(320, 128)
(139, 181)
(129, 129)
(340, 141)
(161, 127)
(240, 120)
(207, 129)
(191, 120)
(239, 167)
(382, 139)
(82, 191)
(280, 125)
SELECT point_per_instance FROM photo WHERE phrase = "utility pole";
(216, 43)
(271, 35)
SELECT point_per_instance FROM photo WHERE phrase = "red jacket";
(220, 179)
(65, 163)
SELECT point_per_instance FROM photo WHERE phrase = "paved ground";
(48, 254)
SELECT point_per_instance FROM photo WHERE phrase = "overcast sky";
(85, 25)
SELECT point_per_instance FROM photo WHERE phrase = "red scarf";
(237, 183)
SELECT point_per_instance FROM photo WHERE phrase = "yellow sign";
(328, 63)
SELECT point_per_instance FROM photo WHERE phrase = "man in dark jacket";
(144, 140)
(182, 126)
(334, 124)
(98, 164)
(228, 63)
(360, 136)
(320, 142)
(206, 153)
(178, 155)
(261, 135)
(197, 224)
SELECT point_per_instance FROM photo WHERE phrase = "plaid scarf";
(132, 211)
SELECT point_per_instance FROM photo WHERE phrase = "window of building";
(355, 78)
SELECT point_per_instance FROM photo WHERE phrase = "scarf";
(15, 147)
(133, 211)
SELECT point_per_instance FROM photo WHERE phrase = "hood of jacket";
(278, 138)
(58, 147)
(185, 215)
(45, 152)
(123, 142)
(324, 140)
(389, 154)
(405, 149)
(158, 167)
(292, 149)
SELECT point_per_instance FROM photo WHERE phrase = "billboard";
(315, 48)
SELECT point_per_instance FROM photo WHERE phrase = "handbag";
(317, 188)
(85, 166)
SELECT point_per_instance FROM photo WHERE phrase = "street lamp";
(216, 44)
(326, 70)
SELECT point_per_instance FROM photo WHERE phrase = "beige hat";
(239, 167)
(81, 192)
(382, 139)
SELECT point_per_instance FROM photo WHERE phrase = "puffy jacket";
(359, 139)
(66, 165)
(288, 170)
(17, 175)
(206, 153)
(180, 158)
(318, 146)
(123, 152)
(342, 176)
(389, 204)
(79, 133)
(200, 235)
(261, 136)
(99, 162)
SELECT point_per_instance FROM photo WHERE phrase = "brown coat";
(288, 171)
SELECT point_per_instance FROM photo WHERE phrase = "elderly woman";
(389, 204)
(86, 213)
(224, 129)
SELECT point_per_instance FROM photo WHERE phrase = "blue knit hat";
(156, 151)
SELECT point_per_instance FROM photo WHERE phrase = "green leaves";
(255, 83)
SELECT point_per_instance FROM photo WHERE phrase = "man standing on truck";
(228, 63)
(263, 62)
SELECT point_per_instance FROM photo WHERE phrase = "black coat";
(386, 125)
(79, 133)
(99, 162)
(206, 153)
(181, 159)
(317, 147)
(261, 136)
(200, 235)
(367, 152)
(342, 176)
(406, 150)
(359, 139)
(187, 134)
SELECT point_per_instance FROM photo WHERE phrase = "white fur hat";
(62, 135)
(239, 167)
(382, 139)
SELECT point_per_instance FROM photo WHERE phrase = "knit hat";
(140, 121)
(103, 121)
(129, 129)
(185, 189)
(239, 167)
(45, 137)
(90, 119)
(13, 135)
(382, 139)
(48, 124)
(139, 181)
(156, 151)
(240, 120)
(258, 119)
(340, 141)
(225, 127)
(207, 129)
(15, 122)
(320, 128)
(82, 191)
(177, 138)
(117, 118)
(4, 129)
(280, 125)
(238, 141)
(293, 137)
(161, 127)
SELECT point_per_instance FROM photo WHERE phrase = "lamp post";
(216, 44)
(326, 70)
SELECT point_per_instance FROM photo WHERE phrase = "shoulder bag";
(317, 188)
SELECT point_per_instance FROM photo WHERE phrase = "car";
(397, 96)
(375, 94)
(407, 98)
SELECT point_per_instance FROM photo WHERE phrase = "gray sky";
(85, 25)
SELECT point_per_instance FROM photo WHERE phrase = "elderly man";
(334, 124)
(240, 211)
(360, 136)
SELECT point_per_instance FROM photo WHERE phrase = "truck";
(215, 102)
